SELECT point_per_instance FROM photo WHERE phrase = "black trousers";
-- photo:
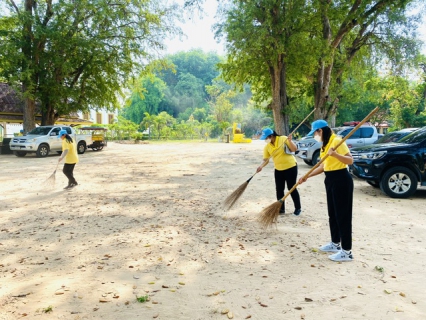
(69, 172)
(288, 176)
(340, 188)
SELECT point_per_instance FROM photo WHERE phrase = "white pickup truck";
(44, 139)
(308, 148)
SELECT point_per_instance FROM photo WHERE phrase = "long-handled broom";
(51, 180)
(229, 202)
(270, 214)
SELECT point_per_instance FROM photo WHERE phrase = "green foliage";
(123, 129)
(186, 82)
(158, 125)
(142, 299)
(199, 103)
(147, 94)
(265, 50)
(47, 309)
(297, 54)
(75, 55)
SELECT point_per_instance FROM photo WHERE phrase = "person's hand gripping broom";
(270, 214)
(229, 202)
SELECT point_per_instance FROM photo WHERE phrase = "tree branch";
(12, 3)
(49, 12)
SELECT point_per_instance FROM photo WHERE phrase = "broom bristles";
(229, 202)
(50, 182)
(270, 214)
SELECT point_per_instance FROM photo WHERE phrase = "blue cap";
(318, 124)
(266, 133)
(61, 133)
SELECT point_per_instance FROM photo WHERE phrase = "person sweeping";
(339, 188)
(282, 148)
(69, 153)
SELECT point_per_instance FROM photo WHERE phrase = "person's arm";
(346, 159)
(291, 145)
(315, 172)
(263, 164)
(63, 155)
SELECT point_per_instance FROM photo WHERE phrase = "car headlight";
(373, 155)
(30, 140)
(306, 144)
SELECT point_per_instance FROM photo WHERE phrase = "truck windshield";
(40, 131)
(415, 137)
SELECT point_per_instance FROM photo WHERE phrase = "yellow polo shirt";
(331, 163)
(72, 156)
(282, 160)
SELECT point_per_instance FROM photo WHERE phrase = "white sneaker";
(330, 247)
(342, 255)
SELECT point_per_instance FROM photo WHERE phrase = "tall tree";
(346, 28)
(262, 38)
(78, 54)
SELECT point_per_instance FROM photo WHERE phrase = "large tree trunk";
(29, 115)
(29, 107)
(326, 106)
(48, 115)
(321, 89)
(277, 107)
(284, 99)
(323, 77)
(279, 97)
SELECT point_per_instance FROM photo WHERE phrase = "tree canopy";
(292, 49)
(74, 55)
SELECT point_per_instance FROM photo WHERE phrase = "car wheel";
(375, 184)
(81, 148)
(20, 153)
(315, 157)
(308, 162)
(42, 151)
(399, 182)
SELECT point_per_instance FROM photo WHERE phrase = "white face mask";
(318, 138)
(268, 140)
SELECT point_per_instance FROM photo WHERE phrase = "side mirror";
(53, 134)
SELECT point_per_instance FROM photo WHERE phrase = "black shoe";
(72, 185)
(68, 187)
(282, 212)
(297, 212)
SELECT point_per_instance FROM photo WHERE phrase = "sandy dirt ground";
(146, 220)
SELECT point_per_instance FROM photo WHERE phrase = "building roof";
(12, 109)
(10, 102)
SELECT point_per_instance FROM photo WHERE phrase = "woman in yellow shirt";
(285, 165)
(69, 152)
(339, 188)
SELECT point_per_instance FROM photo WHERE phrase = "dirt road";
(145, 220)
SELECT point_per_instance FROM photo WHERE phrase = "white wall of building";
(99, 116)
(11, 129)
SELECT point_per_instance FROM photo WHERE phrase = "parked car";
(308, 148)
(396, 167)
(395, 135)
(44, 139)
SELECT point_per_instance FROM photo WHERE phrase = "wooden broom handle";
(335, 148)
(266, 162)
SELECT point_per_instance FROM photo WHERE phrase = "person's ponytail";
(326, 134)
(68, 138)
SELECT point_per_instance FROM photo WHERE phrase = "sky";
(198, 31)
(199, 34)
